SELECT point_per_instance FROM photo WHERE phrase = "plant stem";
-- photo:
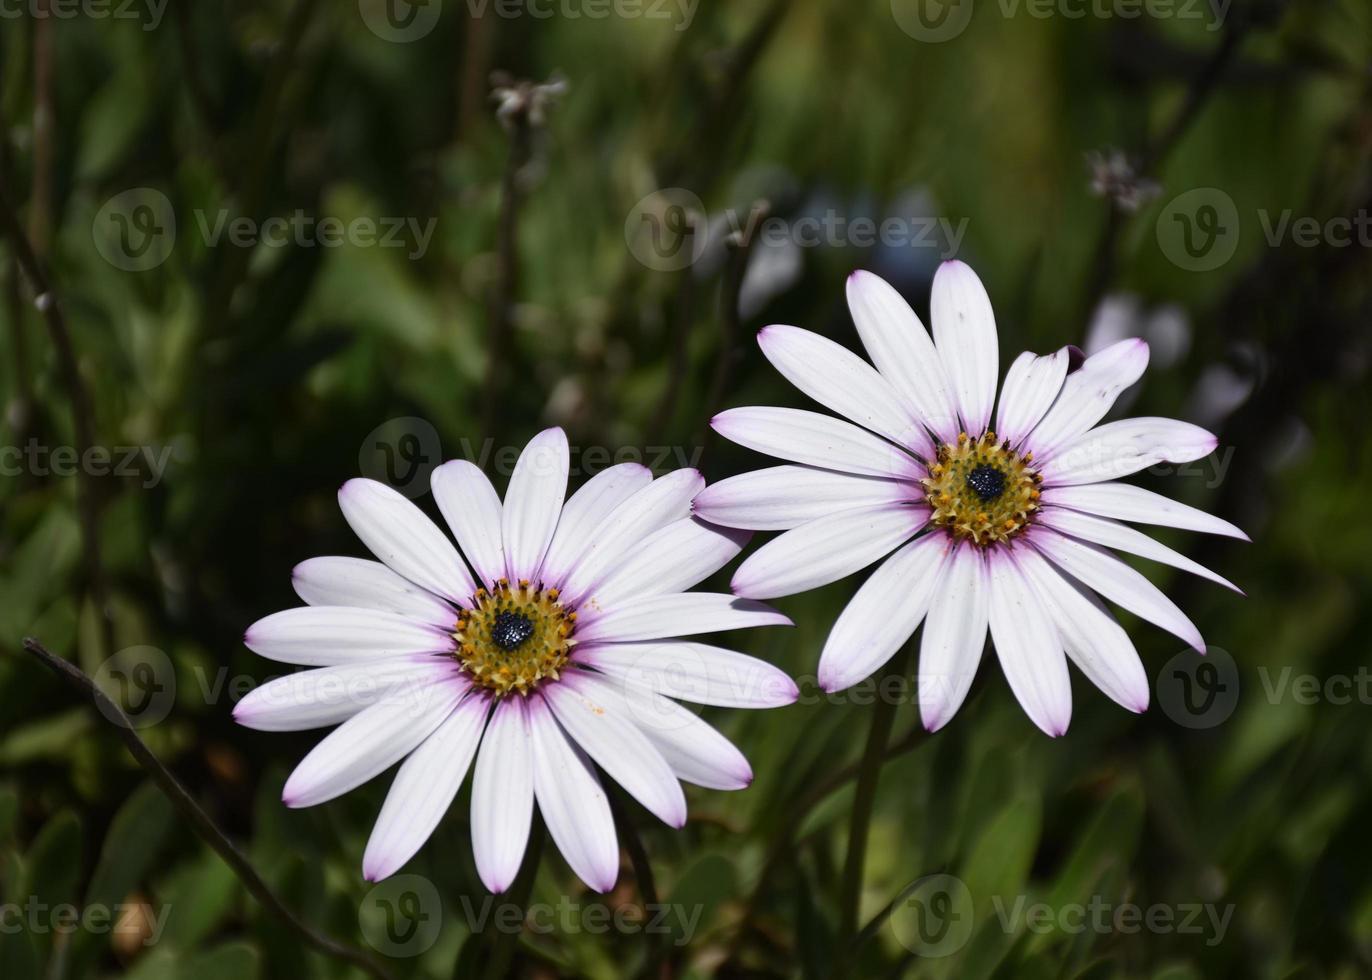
(647, 886)
(200, 821)
(864, 799)
(83, 414)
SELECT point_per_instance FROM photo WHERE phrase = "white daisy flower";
(1010, 521)
(552, 652)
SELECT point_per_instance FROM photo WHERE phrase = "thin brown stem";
(83, 416)
(681, 332)
(507, 272)
(199, 820)
(740, 246)
(864, 804)
(40, 195)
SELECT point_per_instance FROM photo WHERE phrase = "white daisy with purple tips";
(552, 656)
(999, 525)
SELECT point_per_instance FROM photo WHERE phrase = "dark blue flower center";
(511, 629)
(986, 482)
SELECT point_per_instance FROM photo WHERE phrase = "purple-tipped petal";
(671, 559)
(779, 498)
(533, 503)
(1028, 646)
(826, 550)
(403, 537)
(679, 614)
(1031, 385)
(1087, 394)
(843, 382)
(1116, 581)
(424, 788)
(1137, 505)
(693, 672)
(584, 511)
(503, 795)
(954, 635)
(815, 440)
(336, 581)
(1117, 449)
(883, 615)
(322, 636)
(472, 509)
(965, 335)
(901, 349)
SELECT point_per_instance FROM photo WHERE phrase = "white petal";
(328, 696)
(1031, 385)
(1028, 646)
(884, 614)
(679, 614)
(954, 634)
(423, 790)
(671, 559)
(336, 581)
(814, 439)
(841, 381)
(779, 498)
(472, 509)
(620, 533)
(965, 335)
(584, 511)
(533, 503)
(402, 536)
(901, 349)
(573, 802)
(1088, 393)
(696, 752)
(367, 744)
(597, 719)
(694, 672)
(320, 636)
(503, 795)
(826, 550)
(1116, 581)
(1117, 449)
(1111, 534)
(1128, 503)
(1097, 644)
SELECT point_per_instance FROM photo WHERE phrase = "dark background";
(270, 373)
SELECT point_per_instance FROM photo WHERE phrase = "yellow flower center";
(981, 490)
(514, 638)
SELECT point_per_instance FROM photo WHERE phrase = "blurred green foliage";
(263, 370)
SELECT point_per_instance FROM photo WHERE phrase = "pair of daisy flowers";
(556, 650)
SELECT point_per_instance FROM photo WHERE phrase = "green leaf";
(135, 837)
